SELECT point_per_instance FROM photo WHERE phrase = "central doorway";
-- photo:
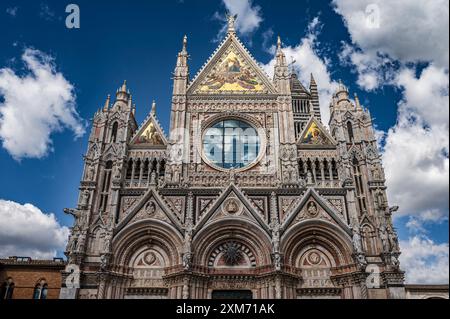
(232, 294)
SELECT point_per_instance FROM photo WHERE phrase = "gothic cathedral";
(248, 196)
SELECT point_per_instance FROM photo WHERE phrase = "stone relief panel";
(312, 210)
(126, 204)
(286, 204)
(260, 202)
(148, 268)
(177, 204)
(316, 267)
(203, 203)
(150, 210)
(338, 204)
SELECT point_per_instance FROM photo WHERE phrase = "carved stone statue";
(85, 196)
(276, 228)
(153, 178)
(357, 243)
(81, 242)
(73, 242)
(90, 172)
(384, 239)
(312, 209)
(107, 242)
(104, 260)
(79, 217)
(277, 261)
(187, 261)
(309, 179)
(394, 261)
(117, 172)
(393, 240)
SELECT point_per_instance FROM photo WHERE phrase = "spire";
(124, 87)
(153, 112)
(107, 103)
(281, 58)
(123, 94)
(342, 93)
(358, 104)
(181, 73)
(231, 23)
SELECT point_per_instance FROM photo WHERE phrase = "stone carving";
(80, 220)
(85, 196)
(312, 209)
(150, 208)
(90, 173)
(232, 254)
(384, 238)
(117, 172)
(357, 243)
(393, 240)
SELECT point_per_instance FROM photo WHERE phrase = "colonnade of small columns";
(140, 170)
(318, 169)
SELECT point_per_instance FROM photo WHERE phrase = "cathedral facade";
(248, 196)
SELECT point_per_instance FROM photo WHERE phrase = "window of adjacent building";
(7, 289)
(231, 144)
(40, 290)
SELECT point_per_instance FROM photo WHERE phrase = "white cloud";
(424, 261)
(26, 231)
(416, 149)
(307, 61)
(248, 20)
(249, 16)
(40, 102)
(409, 30)
(12, 11)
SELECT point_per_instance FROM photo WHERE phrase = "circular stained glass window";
(231, 144)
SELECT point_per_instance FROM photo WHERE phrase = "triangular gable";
(246, 210)
(321, 204)
(316, 136)
(140, 206)
(150, 134)
(231, 70)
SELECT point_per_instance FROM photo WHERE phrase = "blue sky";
(138, 41)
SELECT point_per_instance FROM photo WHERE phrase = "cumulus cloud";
(41, 101)
(408, 30)
(308, 61)
(416, 149)
(425, 261)
(26, 231)
(248, 20)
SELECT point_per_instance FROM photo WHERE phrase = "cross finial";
(231, 23)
